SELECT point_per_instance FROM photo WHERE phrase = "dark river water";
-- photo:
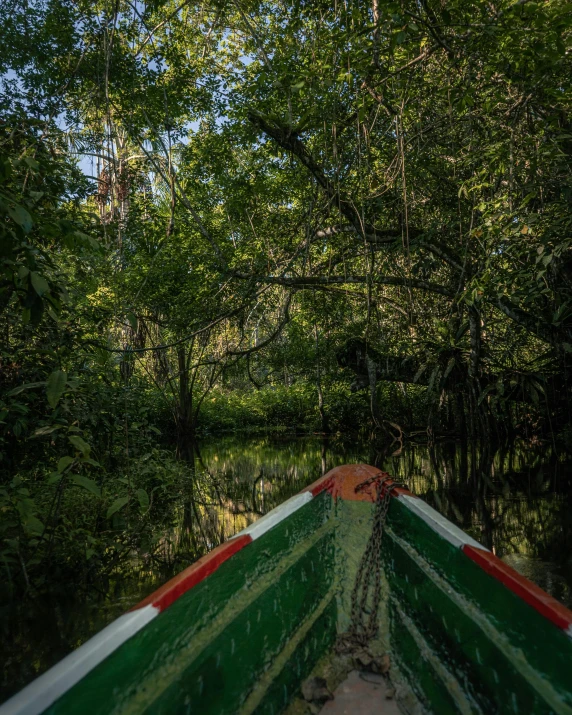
(516, 501)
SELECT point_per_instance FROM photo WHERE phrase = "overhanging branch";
(317, 281)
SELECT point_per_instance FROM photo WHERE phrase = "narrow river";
(516, 502)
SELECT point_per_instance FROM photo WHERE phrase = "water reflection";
(516, 501)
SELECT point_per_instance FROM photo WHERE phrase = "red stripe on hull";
(167, 594)
(341, 483)
(320, 485)
(549, 607)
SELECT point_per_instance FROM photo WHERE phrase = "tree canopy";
(204, 199)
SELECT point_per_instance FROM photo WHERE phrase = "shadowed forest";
(343, 218)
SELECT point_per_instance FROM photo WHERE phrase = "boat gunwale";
(337, 483)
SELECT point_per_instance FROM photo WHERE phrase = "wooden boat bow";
(240, 629)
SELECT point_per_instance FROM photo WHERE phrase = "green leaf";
(93, 463)
(143, 498)
(27, 386)
(558, 315)
(54, 478)
(34, 526)
(432, 378)
(86, 483)
(32, 163)
(37, 195)
(64, 462)
(55, 387)
(117, 505)
(39, 283)
(132, 318)
(419, 372)
(450, 366)
(47, 429)
(80, 444)
(19, 215)
(484, 393)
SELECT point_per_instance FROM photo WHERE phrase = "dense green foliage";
(331, 217)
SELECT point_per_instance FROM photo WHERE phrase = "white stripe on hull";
(50, 686)
(439, 523)
(265, 523)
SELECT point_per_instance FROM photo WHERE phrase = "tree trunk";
(372, 377)
(321, 410)
(324, 455)
(323, 416)
(185, 418)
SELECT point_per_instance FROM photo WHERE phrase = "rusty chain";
(368, 577)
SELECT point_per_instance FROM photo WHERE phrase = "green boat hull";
(239, 631)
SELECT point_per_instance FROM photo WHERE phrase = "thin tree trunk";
(321, 410)
(372, 375)
(185, 421)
